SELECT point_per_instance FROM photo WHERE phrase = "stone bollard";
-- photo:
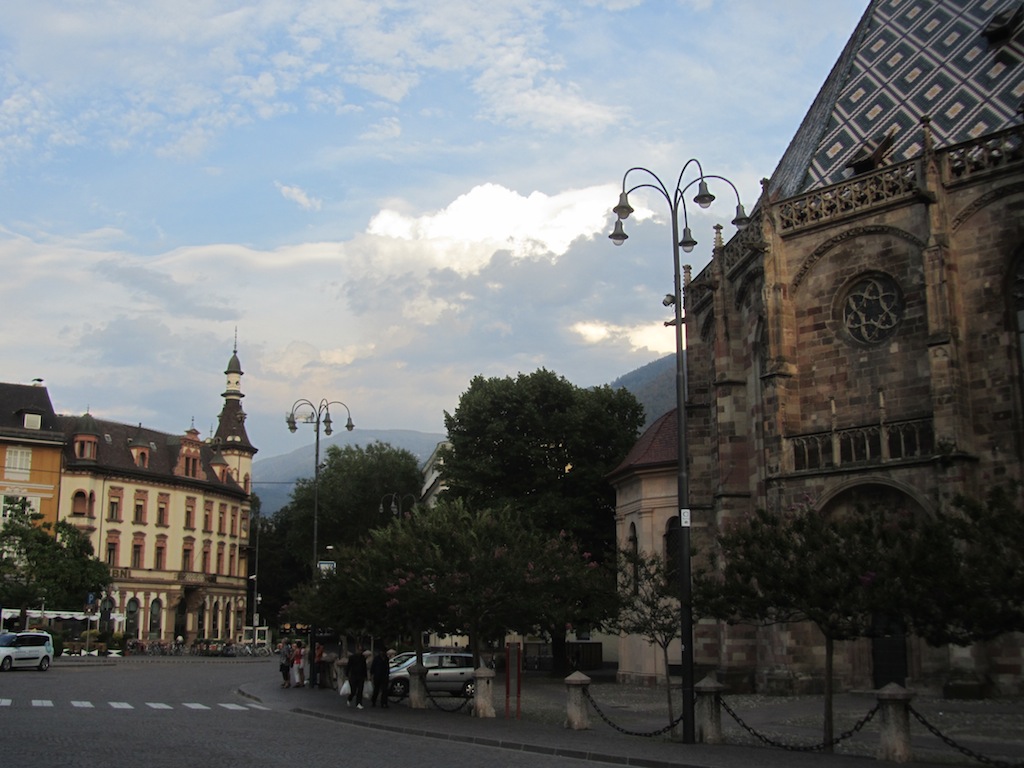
(894, 703)
(483, 697)
(577, 715)
(417, 686)
(708, 711)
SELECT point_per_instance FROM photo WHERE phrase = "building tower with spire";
(170, 515)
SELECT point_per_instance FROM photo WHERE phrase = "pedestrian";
(379, 673)
(356, 671)
(321, 671)
(284, 650)
(297, 668)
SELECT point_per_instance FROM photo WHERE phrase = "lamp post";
(396, 502)
(677, 204)
(315, 414)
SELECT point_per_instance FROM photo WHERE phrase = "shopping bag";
(368, 689)
(346, 689)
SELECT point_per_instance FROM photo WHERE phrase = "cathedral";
(860, 342)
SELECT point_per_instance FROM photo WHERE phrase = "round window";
(872, 308)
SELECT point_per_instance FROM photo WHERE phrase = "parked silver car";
(26, 649)
(446, 673)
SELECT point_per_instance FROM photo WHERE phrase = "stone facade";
(860, 342)
(170, 515)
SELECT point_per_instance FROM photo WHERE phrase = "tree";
(801, 565)
(543, 447)
(648, 605)
(47, 562)
(974, 589)
(353, 481)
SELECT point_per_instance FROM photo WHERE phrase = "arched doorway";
(889, 642)
(156, 624)
(131, 618)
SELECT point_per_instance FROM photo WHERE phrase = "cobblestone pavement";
(991, 728)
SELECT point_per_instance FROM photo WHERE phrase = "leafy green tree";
(803, 566)
(974, 590)
(353, 482)
(543, 447)
(43, 562)
(449, 569)
(648, 605)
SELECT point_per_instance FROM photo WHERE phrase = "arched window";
(131, 620)
(672, 542)
(155, 619)
(1017, 296)
(634, 550)
(79, 503)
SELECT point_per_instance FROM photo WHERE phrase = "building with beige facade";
(170, 515)
(861, 341)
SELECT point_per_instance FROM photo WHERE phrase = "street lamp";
(396, 502)
(676, 199)
(316, 415)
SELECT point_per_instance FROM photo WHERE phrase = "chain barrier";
(958, 747)
(460, 706)
(619, 728)
(797, 747)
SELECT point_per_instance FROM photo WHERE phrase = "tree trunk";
(559, 661)
(829, 650)
(668, 687)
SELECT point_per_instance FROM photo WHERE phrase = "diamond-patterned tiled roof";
(907, 59)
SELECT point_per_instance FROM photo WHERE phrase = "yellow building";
(170, 515)
(30, 447)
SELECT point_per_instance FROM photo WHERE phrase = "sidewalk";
(993, 729)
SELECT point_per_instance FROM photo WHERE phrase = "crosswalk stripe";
(159, 705)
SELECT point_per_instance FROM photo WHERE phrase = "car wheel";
(399, 689)
(5, 665)
(469, 689)
(44, 663)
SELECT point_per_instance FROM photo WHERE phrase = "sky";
(376, 201)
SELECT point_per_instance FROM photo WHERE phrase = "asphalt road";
(188, 712)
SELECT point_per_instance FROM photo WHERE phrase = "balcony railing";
(989, 153)
(850, 198)
(864, 445)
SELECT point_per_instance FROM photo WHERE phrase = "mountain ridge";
(274, 477)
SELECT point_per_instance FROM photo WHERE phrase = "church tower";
(231, 438)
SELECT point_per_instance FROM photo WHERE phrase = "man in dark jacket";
(380, 670)
(356, 672)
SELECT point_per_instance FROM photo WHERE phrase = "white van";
(26, 649)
